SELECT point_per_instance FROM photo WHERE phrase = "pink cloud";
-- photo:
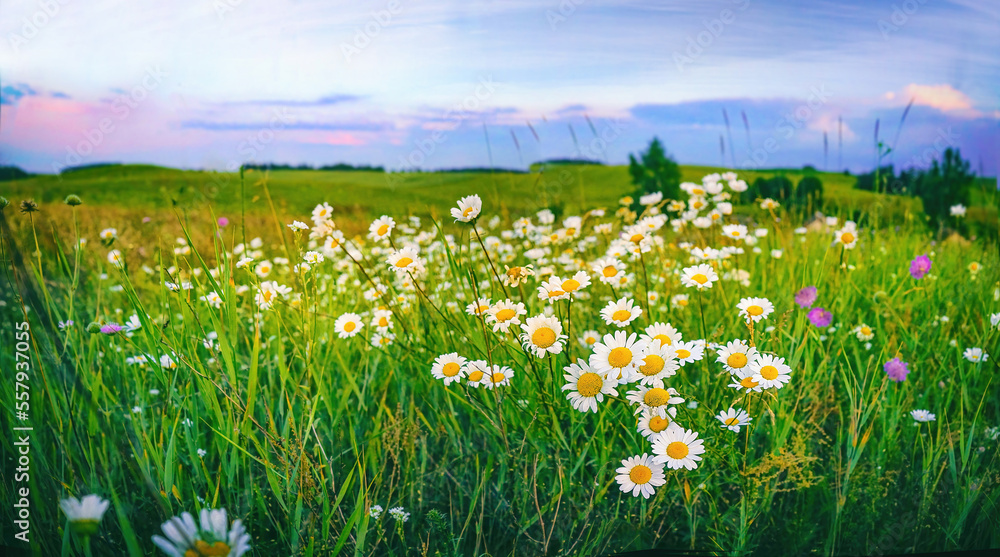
(942, 97)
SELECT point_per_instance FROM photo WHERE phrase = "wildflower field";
(493, 365)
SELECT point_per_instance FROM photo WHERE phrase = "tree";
(944, 184)
(809, 194)
(658, 172)
(778, 188)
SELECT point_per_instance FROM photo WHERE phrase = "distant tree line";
(337, 167)
(947, 182)
(654, 170)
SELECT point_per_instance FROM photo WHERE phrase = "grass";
(303, 432)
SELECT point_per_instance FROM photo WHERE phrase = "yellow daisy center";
(350, 326)
(652, 365)
(748, 383)
(636, 238)
(769, 372)
(570, 285)
(682, 353)
(403, 262)
(589, 384)
(866, 331)
(732, 421)
(755, 310)
(700, 278)
(590, 340)
(505, 315)
(621, 315)
(656, 397)
(737, 360)
(736, 233)
(640, 474)
(658, 424)
(383, 322)
(498, 377)
(609, 271)
(682, 302)
(475, 376)
(543, 337)
(466, 212)
(847, 237)
(450, 369)
(620, 357)
(203, 549)
(677, 450)
(664, 340)
(555, 293)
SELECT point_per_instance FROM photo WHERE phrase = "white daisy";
(587, 387)
(618, 356)
(975, 355)
(755, 309)
(743, 379)
(475, 373)
(770, 371)
(85, 513)
(406, 260)
(479, 307)
(688, 351)
(651, 424)
(699, 276)
(922, 416)
(542, 335)
(664, 333)
(505, 314)
(733, 419)
(213, 536)
(348, 325)
(381, 228)
(678, 448)
(621, 313)
(468, 208)
(654, 399)
(498, 376)
(640, 475)
(449, 368)
(658, 363)
(735, 355)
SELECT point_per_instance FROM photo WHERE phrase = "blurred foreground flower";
(212, 537)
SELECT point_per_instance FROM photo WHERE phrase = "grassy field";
(225, 390)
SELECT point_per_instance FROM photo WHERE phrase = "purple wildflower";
(896, 370)
(920, 266)
(820, 317)
(806, 296)
(223, 222)
(111, 328)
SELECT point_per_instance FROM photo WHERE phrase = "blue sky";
(407, 83)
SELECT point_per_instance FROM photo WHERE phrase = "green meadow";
(237, 384)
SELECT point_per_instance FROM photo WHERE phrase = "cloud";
(11, 94)
(942, 97)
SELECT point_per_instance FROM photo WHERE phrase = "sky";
(428, 84)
